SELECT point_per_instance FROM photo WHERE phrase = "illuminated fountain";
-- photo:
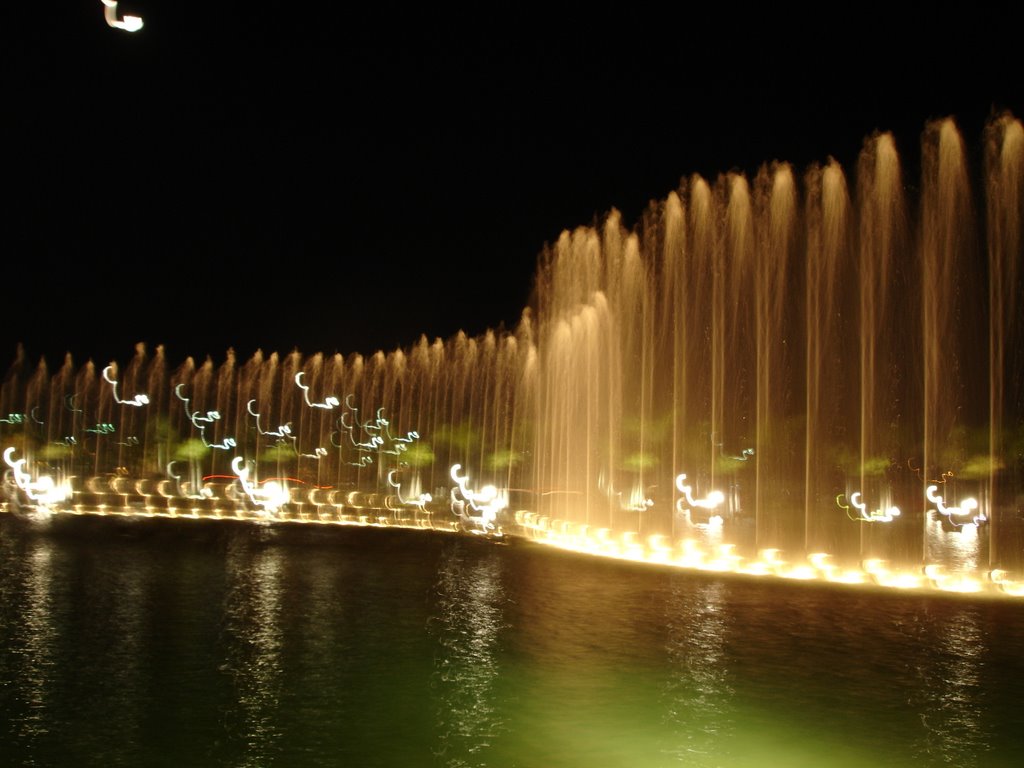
(377, 440)
(813, 355)
(808, 376)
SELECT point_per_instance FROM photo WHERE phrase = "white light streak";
(283, 430)
(227, 444)
(271, 497)
(127, 23)
(375, 443)
(956, 514)
(137, 401)
(712, 501)
(490, 501)
(43, 490)
(419, 502)
(329, 404)
(864, 516)
(209, 418)
(204, 493)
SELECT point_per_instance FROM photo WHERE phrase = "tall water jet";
(1004, 173)
(888, 291)
(734, 341)
(953, 316)
(779, 378)
(154, 455)
(832, 357)
(577, 436)
(701, 311)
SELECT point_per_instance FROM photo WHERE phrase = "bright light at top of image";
(127, 23)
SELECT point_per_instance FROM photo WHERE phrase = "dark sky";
(299, 175)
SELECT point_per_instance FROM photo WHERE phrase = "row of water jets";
(85, 453)
(792, 374)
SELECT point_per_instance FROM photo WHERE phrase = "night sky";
(281, 176)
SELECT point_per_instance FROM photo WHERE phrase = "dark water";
(186, 643)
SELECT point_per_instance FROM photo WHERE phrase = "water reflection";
(253, 646)
(698, 694)
(34, 638)
(960, 551)
(468, 625)
(118, 677)
(439, 651)
(955, 732)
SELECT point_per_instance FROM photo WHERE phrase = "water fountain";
(810, 376)
(817, 359)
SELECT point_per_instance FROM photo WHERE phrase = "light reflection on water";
(253, 639)
(949, 697)
(467, 628)
(32, 644)
(127, 647)
(698, 694)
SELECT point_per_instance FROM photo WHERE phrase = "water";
(836, 358)
(817, 369)
(214, 643)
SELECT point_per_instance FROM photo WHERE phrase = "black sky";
(304, 176)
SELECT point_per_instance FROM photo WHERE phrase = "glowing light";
(137, 401)
(225, 445)
(330, 403)
(410, 436)
(874, 516)
(638, 502)
(881, 575)
(1007, 585)
(419, 502)
(375, 443)
(745, 454)
(855, 500)
(195, 418)
(43, 490)
(711, 501)
(127, 23)
(101, 429)
(209, 418)
(659, 548)
(363, 461)
(204, 493)
(14, 418)
(270, 498)
(283, 430)
(487, 502)
(954, 515)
